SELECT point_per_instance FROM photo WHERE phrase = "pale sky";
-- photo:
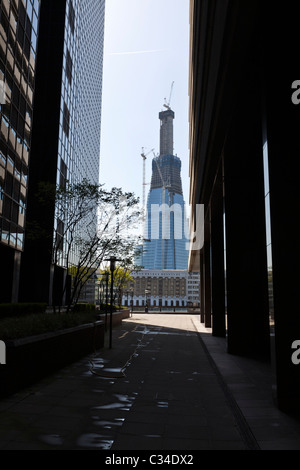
(145, 50)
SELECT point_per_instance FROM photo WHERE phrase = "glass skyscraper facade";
(166, 245)
(66, 131)
(81, 96)
(19, 20)
(81, 93)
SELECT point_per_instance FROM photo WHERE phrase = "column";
(282, 118)
(16, 277)
(202, 277)
(217, 259)
(207, 271)
(247, 288)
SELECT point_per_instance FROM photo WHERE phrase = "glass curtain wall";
(81, 95)
(18, 41)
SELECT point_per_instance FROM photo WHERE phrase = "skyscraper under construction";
(166, 245)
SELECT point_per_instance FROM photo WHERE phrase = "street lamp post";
(112, 261)
(106, 276)
(100, 292)
(132, 292)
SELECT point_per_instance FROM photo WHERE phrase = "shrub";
(21, 309)
(29, 325)
(84, 307)
(104, 306)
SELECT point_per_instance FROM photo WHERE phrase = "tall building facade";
(166, 244)
(19, 25)
(67, 125)
(244, 153)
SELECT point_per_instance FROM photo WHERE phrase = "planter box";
(30, 359)
(117, 317)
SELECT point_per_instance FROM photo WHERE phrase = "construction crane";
(144, 157)
(164, 185)
(167, 103)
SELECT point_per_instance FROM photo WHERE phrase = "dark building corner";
(243, 152)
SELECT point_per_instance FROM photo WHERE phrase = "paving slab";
(165, 385)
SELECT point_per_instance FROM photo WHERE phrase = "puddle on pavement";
(95, 440)
(107, 372)
(52, 439)
(124, 398)
(117, 422)
(124, 403)
(112, 372)
(110, 406)
(99, 360)
(103, 377)
(158, 331)
(162, 404)
(86, 373)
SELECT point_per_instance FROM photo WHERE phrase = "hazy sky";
(145, 50)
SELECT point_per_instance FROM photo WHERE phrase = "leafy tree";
(122, 277)
(91, 224)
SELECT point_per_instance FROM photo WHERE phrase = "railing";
(175, 309)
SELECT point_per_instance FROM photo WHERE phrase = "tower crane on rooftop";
(144, 157)
(167, 103)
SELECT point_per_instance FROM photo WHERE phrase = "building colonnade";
(244, 149)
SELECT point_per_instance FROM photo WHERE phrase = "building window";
(66, 120)
(63, 174)
(71, 17)
(21, 26)
(69, 66)
(60, 234)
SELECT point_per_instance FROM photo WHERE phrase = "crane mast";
(167, 103)
(144, 157)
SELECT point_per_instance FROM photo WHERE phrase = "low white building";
(163, 288)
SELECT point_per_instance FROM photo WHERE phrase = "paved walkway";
(158, 388)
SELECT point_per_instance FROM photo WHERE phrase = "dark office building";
(244, 153)
(66, 130)
(19, 21)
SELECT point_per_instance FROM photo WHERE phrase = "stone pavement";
(165, 385)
